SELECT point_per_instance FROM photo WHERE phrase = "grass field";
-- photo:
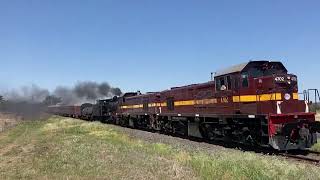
(62, 148)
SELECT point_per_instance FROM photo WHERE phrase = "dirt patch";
(8, 120)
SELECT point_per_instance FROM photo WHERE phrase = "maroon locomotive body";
(253, 103)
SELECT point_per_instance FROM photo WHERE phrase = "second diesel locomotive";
(253, 103)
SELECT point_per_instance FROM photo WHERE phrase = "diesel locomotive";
(254, 103)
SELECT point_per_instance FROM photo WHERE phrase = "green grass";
(62, 148)
(316, 147)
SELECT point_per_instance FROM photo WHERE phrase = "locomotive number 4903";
(281, 79)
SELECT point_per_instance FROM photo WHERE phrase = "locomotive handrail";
(314, 96)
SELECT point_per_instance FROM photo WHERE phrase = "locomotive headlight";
(293, 78)
(287, 96)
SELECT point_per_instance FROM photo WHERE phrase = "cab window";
(245, 80)
(221, 83)
(256, 72)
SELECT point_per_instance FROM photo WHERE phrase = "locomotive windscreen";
(266, 69)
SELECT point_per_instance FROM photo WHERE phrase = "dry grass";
(72, 149)
(8, 120)
(62, 148)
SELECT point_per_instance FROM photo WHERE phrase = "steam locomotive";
(254, 103)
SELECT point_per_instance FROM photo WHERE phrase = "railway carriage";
(68, 111)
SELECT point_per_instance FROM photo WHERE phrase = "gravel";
(176, 142)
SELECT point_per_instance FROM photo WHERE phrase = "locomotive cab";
(257, 86)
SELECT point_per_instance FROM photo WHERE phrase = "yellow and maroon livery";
(253, 103)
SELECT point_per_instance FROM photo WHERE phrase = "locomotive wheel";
(206, 132)
(247, 138)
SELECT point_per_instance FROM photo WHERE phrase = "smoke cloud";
(31, 93)
(81, 92)
(87, 91)
(30, 102)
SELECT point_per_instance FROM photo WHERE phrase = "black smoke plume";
(32, 94)
(81, 92)
(87, 91)
(30, 101)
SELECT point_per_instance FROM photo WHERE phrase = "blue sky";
(152, 45)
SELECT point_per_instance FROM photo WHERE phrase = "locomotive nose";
(287, 84)
(285, 80)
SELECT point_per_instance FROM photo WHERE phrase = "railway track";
(303, 156)
(306, 156)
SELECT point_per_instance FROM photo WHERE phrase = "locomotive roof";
(232, 69)
(241, 67)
